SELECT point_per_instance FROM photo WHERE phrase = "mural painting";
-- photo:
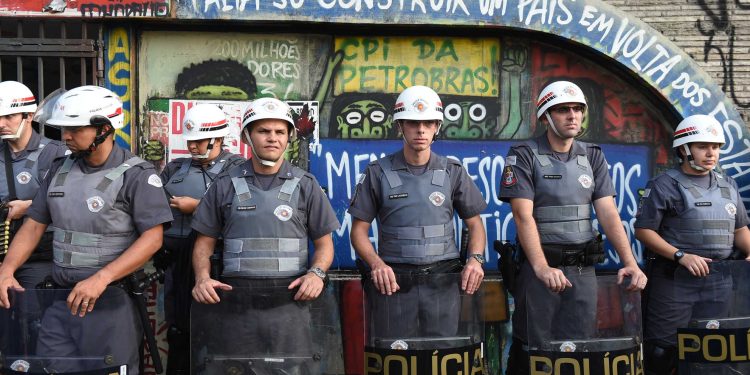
(87, 8)
(485, 83)
(375, 70)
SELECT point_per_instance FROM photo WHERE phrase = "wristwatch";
(678, 255)
(479, 258)
(318, 272)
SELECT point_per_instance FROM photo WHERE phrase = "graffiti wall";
(487, 85)
(117, 67)
(86, 8)
(231, 66)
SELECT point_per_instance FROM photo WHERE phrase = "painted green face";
(217, 92)
(364, 119)
(469, 119)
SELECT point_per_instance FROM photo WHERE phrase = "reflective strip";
(563, 213)
(184, 168)
(261, 265)
(421, 251)
(92, 240)
(241, 189)
(725, 193)
(583, 161)
(438, 177)
(34, 156)
(542, 159)
(417, 233)
(114, 174)
(582, 226)
(62, 173)
(287, 189)
(392, 177)
(76, 259)
(707, 239)
(264, 244)
(687, 225)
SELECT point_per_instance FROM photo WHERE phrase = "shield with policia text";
(593, 327)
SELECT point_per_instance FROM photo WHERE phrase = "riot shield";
(259, 329)
(429, 326)
(593, 327)
(39, 335)
(714, 338)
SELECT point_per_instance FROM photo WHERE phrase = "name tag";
(56, 194)
(246, 208)
(702, 204)
(398, 196)
(552, 176)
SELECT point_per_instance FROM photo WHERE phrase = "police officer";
(414, 193)
(551, 182)
(185, 181)
(107, 208)
(30, 156)
(688, 217)
(266, 210)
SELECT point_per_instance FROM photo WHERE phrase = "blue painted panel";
(337, 165)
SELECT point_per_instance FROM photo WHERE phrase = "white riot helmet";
(205, 121)
(418, 103)
(266, 108)
(557, 93)
(88, 105)
(47, 106)
(15, 97)
(697, 128)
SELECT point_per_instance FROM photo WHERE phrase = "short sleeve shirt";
(141, 194)
(368, 197)
(215, 208)
(662, 198)
(518, 175)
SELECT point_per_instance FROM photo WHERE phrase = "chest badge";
(731, 209)
(95, 203)
(283, 212)
(585, 181)
(23, 178)
(437, 198)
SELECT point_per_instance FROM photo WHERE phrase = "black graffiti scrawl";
(721, 39)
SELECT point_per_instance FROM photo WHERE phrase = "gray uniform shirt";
(141, 195)
(50, 152)
(662, 198)
(368, 197)
(518, 175)
(216, 206)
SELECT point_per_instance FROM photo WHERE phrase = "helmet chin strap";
(208, 151)
(434, 137)
(691, 160)
(12, 137)
(552, 124)
(99, 139)
(267, 163)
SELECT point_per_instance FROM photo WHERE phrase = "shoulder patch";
(509, 178)
(154, 180)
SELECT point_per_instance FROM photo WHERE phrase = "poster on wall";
(305, 114)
